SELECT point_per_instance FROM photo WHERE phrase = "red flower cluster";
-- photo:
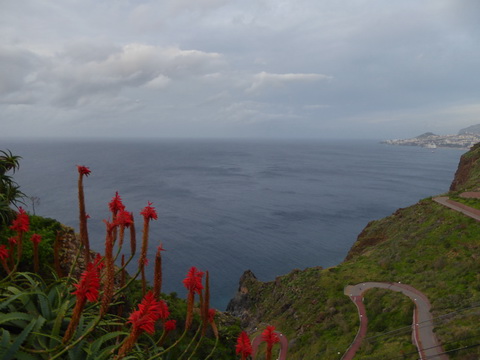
(89, 283)
(211, 315)
(116, 204)
(83, 170)
(3, 252)
(124, 218)
(193, 281)
(149, 311)
(36, 238)
(22, 222)
(13, 240)
(269, 336)
(149, 212)
(98, 262)
(170, 325)
(244, 347)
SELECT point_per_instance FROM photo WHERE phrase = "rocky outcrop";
(465, 175)
(242, 303)
(68, 253)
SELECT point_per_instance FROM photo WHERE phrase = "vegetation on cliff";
(426, 245)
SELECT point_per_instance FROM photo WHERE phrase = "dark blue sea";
(231, 205)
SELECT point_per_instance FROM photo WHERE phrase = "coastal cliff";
(467, 176)
(426, 245)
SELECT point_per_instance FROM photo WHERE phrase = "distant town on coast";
(465, 139)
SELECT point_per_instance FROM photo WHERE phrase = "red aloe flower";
(87, 290)
(13, 240)
(21, 223)
(269, 335)
(271, 338)
(89, 283)
(4, 255)
(143, 319)
(83, 170)
(244, 347)
(3, 252)
(36, 238)
(211, 315)
(98, 262)
(193, 281)
(164, 312)
(149, 311)
(149, 212)
(124, 218)
(116, 204)
(170, 325)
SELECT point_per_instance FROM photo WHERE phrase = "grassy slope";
(425, 245)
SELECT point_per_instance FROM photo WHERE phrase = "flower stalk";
(149, 213)
(83, 171)
(157, 277)
(36, 238)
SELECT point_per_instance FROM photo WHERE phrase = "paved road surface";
(422, 328)
(464, 209)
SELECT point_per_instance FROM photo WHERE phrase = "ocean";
(226, 206)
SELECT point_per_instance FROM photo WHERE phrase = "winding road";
(422, 328)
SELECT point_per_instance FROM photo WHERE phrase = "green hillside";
(426, 245)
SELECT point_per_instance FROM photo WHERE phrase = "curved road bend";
(464, 209)
(422, 328)
(283, 346)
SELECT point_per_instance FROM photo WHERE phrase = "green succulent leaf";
(5, 341)
(11, 353)
(17, 318)
(94, 349)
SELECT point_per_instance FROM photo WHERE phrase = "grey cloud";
(265, 79)
(133, 65)
(17, 69)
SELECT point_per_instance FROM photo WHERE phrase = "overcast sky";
(243, 68)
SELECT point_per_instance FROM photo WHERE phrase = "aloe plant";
(54, 317)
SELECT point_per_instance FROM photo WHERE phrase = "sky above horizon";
(251, 68)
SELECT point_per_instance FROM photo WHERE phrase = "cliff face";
(241, 305)
(426, 245)
(468, 172)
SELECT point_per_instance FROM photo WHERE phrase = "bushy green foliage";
(10, 194)
(48, 229)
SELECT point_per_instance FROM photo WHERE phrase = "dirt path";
(422, 328)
